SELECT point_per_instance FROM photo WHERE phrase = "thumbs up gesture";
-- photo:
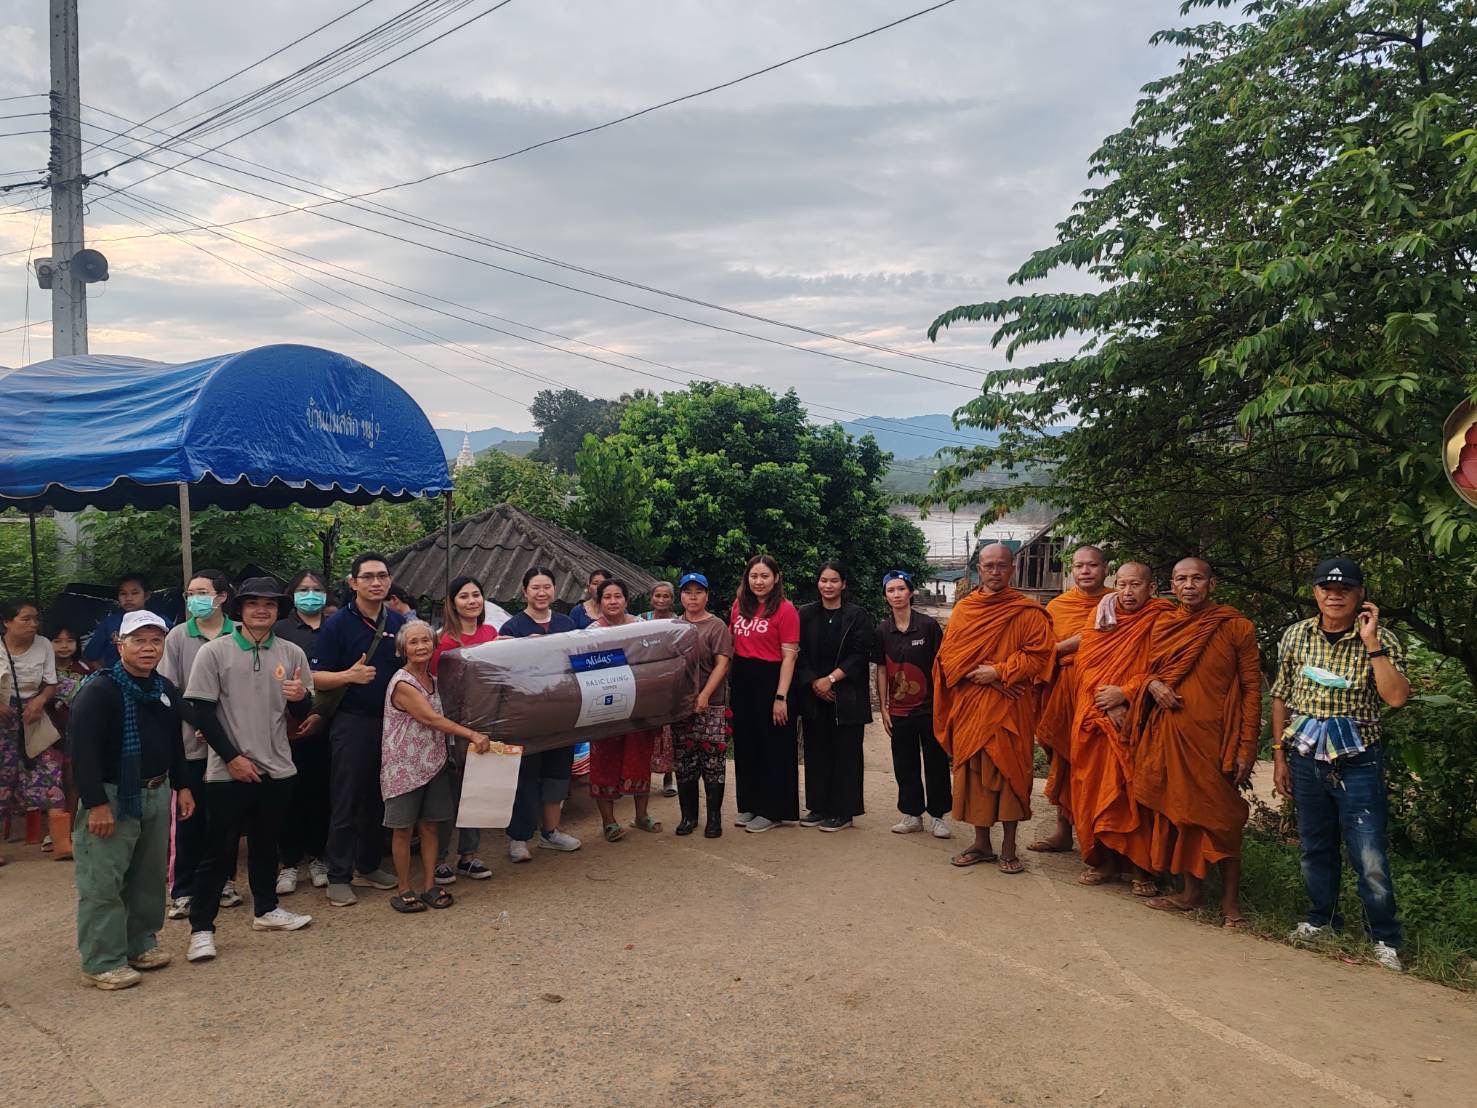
(292, 687)
(361, 672)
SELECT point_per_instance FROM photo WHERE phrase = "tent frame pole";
(448, 545)
(35, 564)
(187, 554)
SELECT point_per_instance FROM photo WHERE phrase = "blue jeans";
(1345, 802)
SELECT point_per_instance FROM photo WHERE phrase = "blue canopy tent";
(272, 426)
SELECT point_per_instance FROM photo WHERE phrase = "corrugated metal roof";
(498, 546)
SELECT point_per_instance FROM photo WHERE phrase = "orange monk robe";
(1184, 758)
(986, 734)
(1071, 614)
(1101, 765)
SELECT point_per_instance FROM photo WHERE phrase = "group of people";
(1151, 714)
(315, 735)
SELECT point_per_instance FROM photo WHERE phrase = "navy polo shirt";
(346, 635)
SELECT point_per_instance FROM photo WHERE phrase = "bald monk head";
(1089, 569)
(997, 567)
(1193, 581)
(1136, 586)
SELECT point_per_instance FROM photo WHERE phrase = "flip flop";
(646, 823)
(1166, 904)
(1012, 865)
(614, 832)
(407, 902)
(1094, 877)
(1239, 923)
(437, 897)
(974, 856)
(1041, 846)
(1141, 887)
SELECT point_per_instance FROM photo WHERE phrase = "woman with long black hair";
(766, 641)
(835, 701)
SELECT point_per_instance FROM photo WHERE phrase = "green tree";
(564, 417)
(1283, 238)
(280, 540)
(15, 558)
(613, 508)
(734, 470)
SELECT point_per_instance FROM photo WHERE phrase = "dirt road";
(786, 968)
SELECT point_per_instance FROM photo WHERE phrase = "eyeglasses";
(373, 577)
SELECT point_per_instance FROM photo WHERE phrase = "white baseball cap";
(137, 621)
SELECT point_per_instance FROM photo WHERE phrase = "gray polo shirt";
(245, 682)
(183, 642)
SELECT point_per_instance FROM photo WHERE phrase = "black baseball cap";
(1338, 571)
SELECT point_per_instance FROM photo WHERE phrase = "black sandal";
(437, 897)
(407, 902)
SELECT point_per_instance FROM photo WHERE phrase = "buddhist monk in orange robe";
(1113, 830)
(997, 652)
(1195, 727)
(1071, 614)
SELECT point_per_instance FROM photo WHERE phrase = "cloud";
(860, 192)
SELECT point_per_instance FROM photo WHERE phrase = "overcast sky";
(859, 192)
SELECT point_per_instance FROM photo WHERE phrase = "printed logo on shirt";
(759, 625)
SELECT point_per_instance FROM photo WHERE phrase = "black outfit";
(832, 639)
(766, 778)
(96, 735)
(356, 806)
(535, 769)
(906, 658)
(305, 830)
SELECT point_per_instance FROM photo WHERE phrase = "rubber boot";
(33, 826)
(714, 827)
(687, 798)
(61, 834)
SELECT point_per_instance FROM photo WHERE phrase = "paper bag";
(41, 735)
(489, 782)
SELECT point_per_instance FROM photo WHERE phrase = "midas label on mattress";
(549, 691)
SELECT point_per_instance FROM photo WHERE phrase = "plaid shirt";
(1303, 644)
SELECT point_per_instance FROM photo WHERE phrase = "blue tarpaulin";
(272, 426)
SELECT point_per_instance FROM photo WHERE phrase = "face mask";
(310, 601)
(200, 606)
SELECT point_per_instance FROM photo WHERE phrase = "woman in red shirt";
(463, 623)
(766, 641)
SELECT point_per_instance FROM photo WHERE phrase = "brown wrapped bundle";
(551, 691)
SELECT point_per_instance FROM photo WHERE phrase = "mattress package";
(550, 691)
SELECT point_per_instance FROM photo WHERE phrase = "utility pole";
(68, 282)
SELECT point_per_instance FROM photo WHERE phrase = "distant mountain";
(451, 441)
(518, 448)
(917, 436)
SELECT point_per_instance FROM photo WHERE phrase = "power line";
(401, 57)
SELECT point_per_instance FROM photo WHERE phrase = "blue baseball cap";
(692, 579)
(896, 575)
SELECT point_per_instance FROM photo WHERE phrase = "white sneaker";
(229, 896)
(907, 825)
(318, 871)
(518, 851)
(1388, 957)
(941, 829)
(124, 977)
(179, 908)
(1305, 932)
(202, 946)
(286, 880)
(280, 919)
(559, 839)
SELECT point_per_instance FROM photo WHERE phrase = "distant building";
(465, 459)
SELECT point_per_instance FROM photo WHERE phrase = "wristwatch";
(779, 696)
(1380, 653)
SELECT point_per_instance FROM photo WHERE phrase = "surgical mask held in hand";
(310, 601)
(1329, 680)
(200, 606)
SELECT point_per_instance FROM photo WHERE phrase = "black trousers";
(833, 767)
(237, 808)
(305, 833)
(189, 834)
(767, 777)
(356, 807)
(912, 736)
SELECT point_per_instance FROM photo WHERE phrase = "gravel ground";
(786, 968)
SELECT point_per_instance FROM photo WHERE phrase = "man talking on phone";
(1335, 672)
